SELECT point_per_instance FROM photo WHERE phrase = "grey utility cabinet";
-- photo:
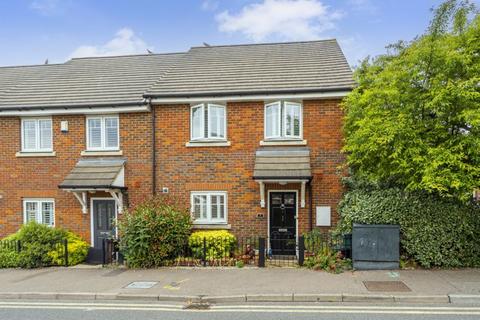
(375, 246)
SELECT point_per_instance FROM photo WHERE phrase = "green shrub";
(41, 246)
(154, 233)
(8, 258)
(77, 251)
(329, 261)
(219, 244)
(435, 231)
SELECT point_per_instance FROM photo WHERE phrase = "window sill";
(23, 154)
(283, 143)
(89, 153)
(202, 226)
(208, 144)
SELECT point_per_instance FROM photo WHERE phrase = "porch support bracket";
(302, 194)
(118, 196)
(82, 198)
(262, 194)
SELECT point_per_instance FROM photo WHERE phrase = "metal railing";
(60, 248)
(247, 251)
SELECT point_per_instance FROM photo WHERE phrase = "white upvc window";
(209, 207)
(208, 122)
(39, 210)
(37, 135)
(103, 133)
(283, 120)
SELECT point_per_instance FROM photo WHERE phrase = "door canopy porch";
(282, 165)
(99, 174)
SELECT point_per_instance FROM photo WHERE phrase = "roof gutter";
(75, 109)
(251, 95)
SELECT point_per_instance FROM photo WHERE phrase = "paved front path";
(233, 281)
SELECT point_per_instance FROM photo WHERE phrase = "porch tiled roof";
(96, 173)
(282, 164)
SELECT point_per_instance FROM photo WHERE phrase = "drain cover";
(386, 286)
(141, 285)
(197, 306)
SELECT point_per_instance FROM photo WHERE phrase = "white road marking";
(245, 309)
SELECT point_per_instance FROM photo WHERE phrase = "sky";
(32, 31)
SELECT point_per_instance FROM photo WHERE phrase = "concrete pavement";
(218, 285)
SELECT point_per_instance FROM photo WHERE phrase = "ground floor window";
(39, 210)
(209, 207)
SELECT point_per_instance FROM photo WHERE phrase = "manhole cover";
(386, 286)
(141, 285)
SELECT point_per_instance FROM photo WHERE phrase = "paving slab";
(267, 284)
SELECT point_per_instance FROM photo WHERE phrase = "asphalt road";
(70, 310)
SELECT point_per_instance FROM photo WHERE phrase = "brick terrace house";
(249, 136)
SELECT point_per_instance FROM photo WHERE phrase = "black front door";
(103, 227)
(283, 211)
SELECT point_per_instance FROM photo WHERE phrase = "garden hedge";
(220, 244)
(154, 233)
(435, 231)
(42, 246)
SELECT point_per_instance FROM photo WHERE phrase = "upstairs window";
(37, 135)
(208, 122)
(39, 210)
(283, 120)
(209, 207)
(103, 133)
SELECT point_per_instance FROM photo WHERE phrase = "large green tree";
(414, 118)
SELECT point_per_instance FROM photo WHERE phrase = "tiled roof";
(282, 163)
(118, 80)
(315, 66)
(95, 173)
(259, 68)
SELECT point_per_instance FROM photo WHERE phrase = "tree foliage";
(415, 118)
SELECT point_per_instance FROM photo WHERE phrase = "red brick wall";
(38, 177)
(182, 169)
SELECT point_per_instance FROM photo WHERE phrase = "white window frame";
(38, 215)
(209, 195)
(37, 135)
(103, 146)
(282, 121)
(279, 120)
(208, 137)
